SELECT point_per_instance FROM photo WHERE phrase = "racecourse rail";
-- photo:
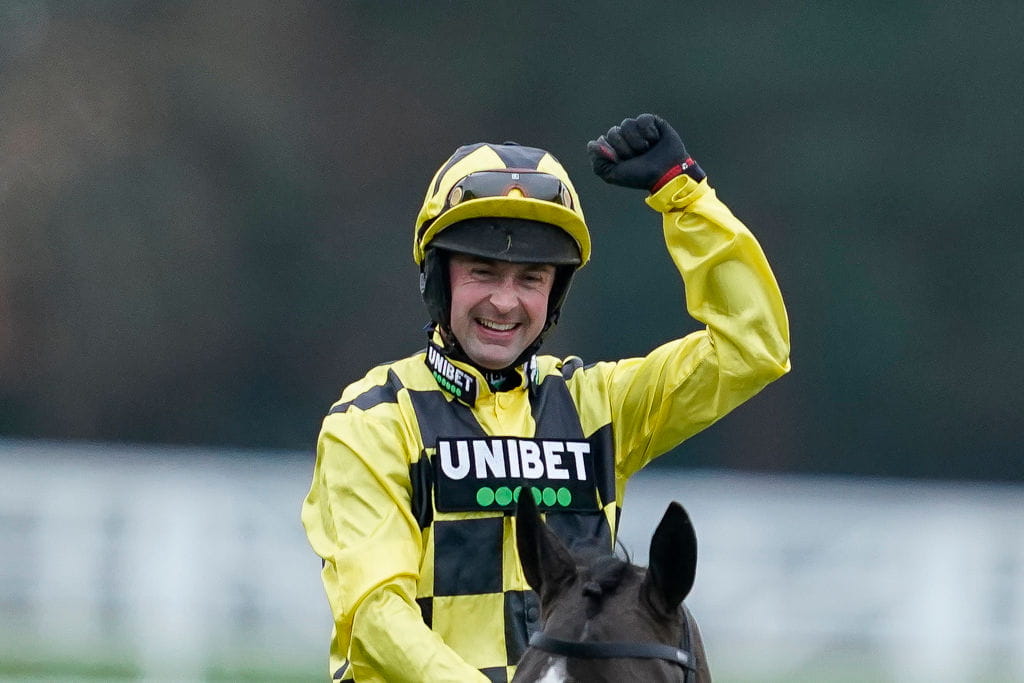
(190, 564)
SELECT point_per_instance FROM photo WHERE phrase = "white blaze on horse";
(604, 619)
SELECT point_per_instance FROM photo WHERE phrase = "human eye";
(536, 277)
(482, 271)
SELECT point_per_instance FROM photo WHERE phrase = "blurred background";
(205, 233)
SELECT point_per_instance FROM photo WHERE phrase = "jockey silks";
(419, 464)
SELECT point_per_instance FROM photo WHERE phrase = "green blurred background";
(206, 208)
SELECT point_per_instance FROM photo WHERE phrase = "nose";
(504, 297)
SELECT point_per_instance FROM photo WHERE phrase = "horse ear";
(547, 563)
(673, 560)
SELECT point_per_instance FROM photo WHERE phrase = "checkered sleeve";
(358, 519)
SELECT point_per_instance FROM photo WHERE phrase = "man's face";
(498, 308)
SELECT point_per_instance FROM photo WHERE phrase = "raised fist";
(645, 153)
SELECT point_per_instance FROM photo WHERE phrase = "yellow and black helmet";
(501, 181)
(506, 202)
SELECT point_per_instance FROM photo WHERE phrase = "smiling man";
(498, 308)
(420, 463)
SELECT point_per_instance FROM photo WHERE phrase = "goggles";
(510, 183)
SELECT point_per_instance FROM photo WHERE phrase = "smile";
(498, 327)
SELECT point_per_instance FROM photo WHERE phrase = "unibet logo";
(486, 496)
(513, 458)
(472, 474)
(453, 379)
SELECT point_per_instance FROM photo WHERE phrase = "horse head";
(605, 619)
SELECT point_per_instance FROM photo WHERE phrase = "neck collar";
(466, 382)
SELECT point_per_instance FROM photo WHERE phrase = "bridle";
(609, 649)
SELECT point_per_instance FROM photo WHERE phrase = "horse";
(604, 618)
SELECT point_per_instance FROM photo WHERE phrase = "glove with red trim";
(644, 153)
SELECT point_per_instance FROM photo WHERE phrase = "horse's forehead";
(616, 601)
(616, 581)
(615, 609)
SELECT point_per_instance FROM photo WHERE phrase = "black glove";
(644, 153)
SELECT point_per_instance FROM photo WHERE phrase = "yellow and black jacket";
(419, 462)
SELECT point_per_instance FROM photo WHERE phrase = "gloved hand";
(644, 153)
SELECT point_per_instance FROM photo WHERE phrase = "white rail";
(174, 563)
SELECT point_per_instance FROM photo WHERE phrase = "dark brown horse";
(605, 619)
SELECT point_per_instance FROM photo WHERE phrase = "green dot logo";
(536, 496)
(484, 496)
(549, 496)
(564, 497)
(503, 496)
(516, 492)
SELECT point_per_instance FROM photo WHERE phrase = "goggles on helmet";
(510, 183)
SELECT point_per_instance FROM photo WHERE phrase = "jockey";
(420, 462)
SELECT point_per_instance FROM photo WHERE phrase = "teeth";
(500, 327)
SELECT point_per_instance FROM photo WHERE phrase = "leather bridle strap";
(612, 650)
